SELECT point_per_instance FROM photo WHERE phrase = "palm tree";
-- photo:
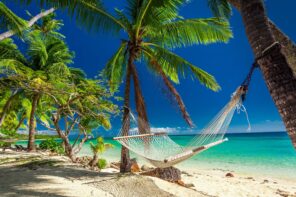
(153, 29)
(48, 57)
(276, 71)
(97, 149)
(277, 66)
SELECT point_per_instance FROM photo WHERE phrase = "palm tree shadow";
(17, 181)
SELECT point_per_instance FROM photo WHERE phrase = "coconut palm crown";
(153, 29)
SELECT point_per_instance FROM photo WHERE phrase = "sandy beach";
(37, 174)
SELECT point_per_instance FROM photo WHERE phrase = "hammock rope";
(161, 151)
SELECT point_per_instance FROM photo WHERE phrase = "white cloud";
(169, 130)
(40, 132)
(264, 126)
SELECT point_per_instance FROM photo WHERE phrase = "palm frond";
(172, 63)
(58, 71)
(58, 52)
(9, 50)
(37, 51)
(115, 68)
(49, 27)
(155, 13)
(10, 21)
(88, 13)
(14, 67)
(133, 7)
(77, 74)
(192, 31)
(220, 8)
(124, 20)
(27, 106)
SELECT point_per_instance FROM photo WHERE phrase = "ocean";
(270, 154)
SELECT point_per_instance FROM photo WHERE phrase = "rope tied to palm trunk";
(245, 84)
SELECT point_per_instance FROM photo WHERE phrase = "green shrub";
(5, 144)
(52, 145)
(102, 163)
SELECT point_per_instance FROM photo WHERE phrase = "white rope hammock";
(161, 151)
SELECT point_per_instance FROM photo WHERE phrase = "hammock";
(161, 151)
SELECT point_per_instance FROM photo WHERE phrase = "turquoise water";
(269, 154)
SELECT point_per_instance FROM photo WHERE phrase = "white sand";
(62, 178)
(215, 183)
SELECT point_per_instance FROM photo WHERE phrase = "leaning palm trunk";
(125, 163)
(276, 71)
(289, 49)
(32, 124)
(143, 124)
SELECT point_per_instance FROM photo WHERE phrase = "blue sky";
(229, 63)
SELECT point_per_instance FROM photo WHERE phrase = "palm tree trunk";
(143, 123)
(125, 163)
(276, 71)
(32, 124)
(289, 49)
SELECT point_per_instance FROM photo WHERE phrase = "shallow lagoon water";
(270, 154)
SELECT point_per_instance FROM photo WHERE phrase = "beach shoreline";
(67, 179)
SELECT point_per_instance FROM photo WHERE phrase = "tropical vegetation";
(97, 149)
(52, 145)
(39, 88)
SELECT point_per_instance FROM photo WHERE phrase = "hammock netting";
(161, 151)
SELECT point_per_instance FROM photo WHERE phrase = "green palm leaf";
(173, 64)
(10, 21)
(115, 68)
(14, 67)
(37, 51)
(8, 50)
(192, 31)
(220, 8)
(155, 13)
(88, 13)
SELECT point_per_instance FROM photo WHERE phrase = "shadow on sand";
(20, 180)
